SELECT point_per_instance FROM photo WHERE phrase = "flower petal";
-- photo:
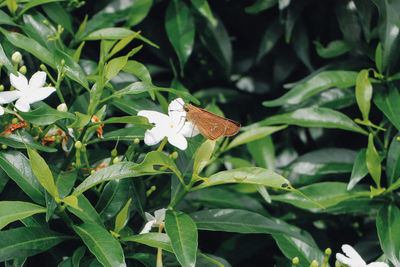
(189, 130)
(154, 116)
(378, 264)
(353, 254)
(178, 140)
(176, 105)
(37, 80)
(154, 136)
(149, 217)
(147, 227)
(9, 96)
(19, 82)
(160, 215)
(37, 94)
(1, 110)
(22, 105)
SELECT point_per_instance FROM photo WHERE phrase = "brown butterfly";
(209, 124)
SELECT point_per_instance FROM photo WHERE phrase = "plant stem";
(163, 142)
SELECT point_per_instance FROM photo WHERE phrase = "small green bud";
(16, 57)
(62, 107)
(62, 62)
(136, 141)
(328, 251)
(43, 67)
(174, 155)
(1, 64)
(115, 160)
(92, 171)
(114, 152)
(83, 148)
(295, 260)
(46, 22)
(1, 88)
(14, 120)
(3, 146)
(22, 70)
(78, 145)
(163, 168)
(314, 263)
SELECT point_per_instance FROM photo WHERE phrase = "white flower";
(156, 220)
(26, 93)
(353, 259)
(174, 126)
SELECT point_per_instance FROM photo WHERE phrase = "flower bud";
(92, 171)
(16, 57)
(295, 260)
(43, 67)
(14, 120)
(115, 160)
(3, 146)
(114, 152)
(22, 70)
(314, 263)
(328, 251)
(62, 107)
(136, 141)
(1, 88)
(174, 155)
(78, 145)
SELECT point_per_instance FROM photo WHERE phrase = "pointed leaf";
(140, 121)
(388, 226)
(156, 240)
(11, 211)
(363, 93)
(46, 115)
(373, 161)
(333, 49)
(22, 139)
(360, 169)
(102, 244)
(182, 232)
(393, 161)
(389, 103)
(122, 217)
(86, 211)
(203, 155)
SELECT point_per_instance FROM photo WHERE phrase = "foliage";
(316, 164)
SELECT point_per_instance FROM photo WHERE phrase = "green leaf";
(114, 66)
(114, 197)
(138, 11)
(125, 134)
(373, 161)
(378, 58)
(81, 120)
(117, 171)
(270, 37)
(244, 222)
(58, 14)
(87, 213)
(388, 226)
(102, 244)
(328, 194)
(182, 232)
(203, 155)
(318, 83)
(33, 3)
(26, 241)
(263, 152)
(71, 201)
(389, 103)
(11, 211)
(77, 256)
(179, 25)
(156, 240)
(122, 217)
(315, 117)
(393, 161)
(260, 5)
(5, 61)
(6, 19)
(139, 121)
(253, 134)
(72, 69)
(360, 169)
(45, 115)
(16, 165)
(333, 49)
(137, 69)
(292, 247)
(122, 44)
(43, 173)
(246, 175)
(204, 9)
(22, 139)
(363, 93)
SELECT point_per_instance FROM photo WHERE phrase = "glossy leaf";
(45, 115)
(270, 37)
(26, 241)
(244, 222)
(42, 173)
(122, 217)
(203, 155)
(34, 3)
(388, 226)
(360, 169)
(292, 247)
(327, 193)
(71, 201)
(11, 211)
(6, 20)
(378, 58)
(393, 161)
(77, 256)
(117, 171)
(16, 165)
(135, 120)
(333, 49)
(253, 134)
(318, 83)
(204, 9)
(363, 93)
(81, 120)
(315, 117)
(389, 103)
(87, 213)
(125, 134)
(373, 161)
(179, 25)
(21, 140)
(57, 13)
(139, 11)
(102, 244)
(182, 232)
(156, 240)
(113, 198)
(137, 69)
(114, 66)
(260, 5)
(263, 152)
(4, 59)
(247, 175)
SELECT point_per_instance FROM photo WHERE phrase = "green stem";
(163, 142)
(59, 79)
